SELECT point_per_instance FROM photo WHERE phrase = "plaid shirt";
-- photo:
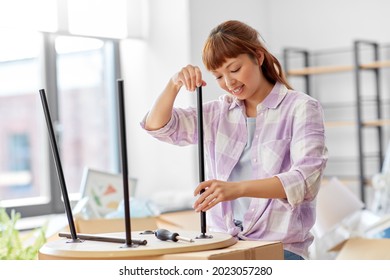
(289, 143)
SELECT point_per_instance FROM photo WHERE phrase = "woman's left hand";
(214, 192)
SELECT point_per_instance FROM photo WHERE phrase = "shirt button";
(254, 160)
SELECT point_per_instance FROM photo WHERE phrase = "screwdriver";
(164, 235)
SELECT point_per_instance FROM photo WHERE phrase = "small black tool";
(164, 235)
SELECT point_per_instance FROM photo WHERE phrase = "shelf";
(376, 123)
(372, 123)
(340, 123)
(376, 64)
(347, 180)
(319, 70)
(336, 69)
(355, 69)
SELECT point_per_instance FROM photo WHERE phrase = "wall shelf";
(375, 65)
(319, 70)
(336, 68)
(377, 122)
(339, 123)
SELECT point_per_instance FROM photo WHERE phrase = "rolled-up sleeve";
(308, 153)
(181, 129)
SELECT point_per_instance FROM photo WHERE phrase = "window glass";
(85, 108)
(23, 143)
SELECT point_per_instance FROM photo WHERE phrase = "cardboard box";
(365, 249)
(359, 237)
(370, 243)
(183, 220)
(96, 226)
(242, 250)
(114, 225)
(363, 224)
(347, 230)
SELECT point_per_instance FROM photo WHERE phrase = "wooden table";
(66, 249)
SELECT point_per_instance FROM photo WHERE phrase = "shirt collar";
(274, 98)
(272, 101)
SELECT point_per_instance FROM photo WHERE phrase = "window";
(79, 77)
(58, 50)
(86, 107)
(22, 133)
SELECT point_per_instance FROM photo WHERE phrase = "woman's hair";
(232, 38)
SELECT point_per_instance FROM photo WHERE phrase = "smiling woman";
(263, 176)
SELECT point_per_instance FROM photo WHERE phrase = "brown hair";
(232, 38)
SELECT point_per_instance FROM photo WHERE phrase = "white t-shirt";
(243, 171)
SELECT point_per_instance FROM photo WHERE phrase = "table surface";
(64, 248)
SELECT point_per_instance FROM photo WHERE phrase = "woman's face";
(241, 76)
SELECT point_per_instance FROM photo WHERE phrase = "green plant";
(12, 245)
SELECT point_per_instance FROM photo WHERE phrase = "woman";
(264, 142)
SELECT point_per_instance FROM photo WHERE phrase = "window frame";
(48, 66)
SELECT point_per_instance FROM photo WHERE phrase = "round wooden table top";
(64, 248)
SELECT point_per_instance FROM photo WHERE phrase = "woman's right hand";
(161, 111)
(190, 77)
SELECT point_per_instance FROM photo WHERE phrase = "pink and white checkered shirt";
(289, 142)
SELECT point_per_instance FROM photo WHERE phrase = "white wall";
(147, 65)
(318, 24)
(177, 30)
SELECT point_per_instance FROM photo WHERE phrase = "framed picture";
(104, 190)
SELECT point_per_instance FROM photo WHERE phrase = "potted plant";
(13, 245)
